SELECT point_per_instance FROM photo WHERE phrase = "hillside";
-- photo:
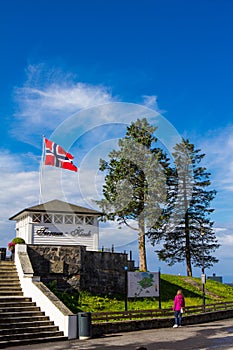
(192, 290)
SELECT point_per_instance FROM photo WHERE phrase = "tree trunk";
(186, 225)
(142, 244)
(187, 247)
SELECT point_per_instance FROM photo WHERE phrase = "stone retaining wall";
(74, 268)
(130, 326)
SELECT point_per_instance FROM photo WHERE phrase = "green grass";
(192, 290)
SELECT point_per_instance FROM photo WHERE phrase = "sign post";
(160, 304)
(126, 287)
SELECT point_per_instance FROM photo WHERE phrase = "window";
(58, 219)
(47, 218)
(68, 219)
(90, 220)
(36, 218)
(79, 220)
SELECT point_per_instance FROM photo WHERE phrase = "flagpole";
(41, 169)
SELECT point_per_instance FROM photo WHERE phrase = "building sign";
(143, 284)
(78, 231)
(44, 231)
(63, 234)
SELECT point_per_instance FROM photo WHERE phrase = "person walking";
(178, 308)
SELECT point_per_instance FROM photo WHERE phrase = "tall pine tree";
(185, 230)
(135, 182)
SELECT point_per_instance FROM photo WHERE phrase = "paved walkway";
(214, 335)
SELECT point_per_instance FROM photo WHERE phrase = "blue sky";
(61, 57)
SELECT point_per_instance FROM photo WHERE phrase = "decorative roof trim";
(57, 206)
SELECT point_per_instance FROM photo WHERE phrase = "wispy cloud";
(218, 147)
(48, 97)
(19, 189)
(151, 101)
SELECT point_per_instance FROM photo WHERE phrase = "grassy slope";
(192, 290)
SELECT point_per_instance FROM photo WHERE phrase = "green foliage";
(70, 300)
(192, 290)
(134, 174)
(135, 182)
(187, 233)
(18, 240)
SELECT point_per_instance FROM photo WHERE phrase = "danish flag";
(56, 156)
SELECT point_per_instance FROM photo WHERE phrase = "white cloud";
(9, 163)
(218, 147)
(18, 190)
(227, 240)
(150, 101)
(48, 97)
(220, 229)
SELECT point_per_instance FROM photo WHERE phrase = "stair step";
(6, 344)
(23, 314)
(6, 282)
(20, 309)
(3, 288)
(19, 318)
(12, 282)
(11, 293)
(21, 321)
(6, 263)
(28, 324)
(8, 268)
(8, 273)
(16, 304)
(11, 286)
(17, 299)
(33, 329)
(30, 335)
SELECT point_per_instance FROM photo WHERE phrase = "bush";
(18, 240)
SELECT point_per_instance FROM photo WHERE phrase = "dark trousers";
(178, 317)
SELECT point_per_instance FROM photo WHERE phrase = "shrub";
(18, 240)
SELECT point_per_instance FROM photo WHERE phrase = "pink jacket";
(178, 302)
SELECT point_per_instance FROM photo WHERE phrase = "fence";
(118, 316)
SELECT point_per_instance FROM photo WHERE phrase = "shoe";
(175, 326)
(180, 325)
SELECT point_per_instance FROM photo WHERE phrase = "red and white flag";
(56, 156)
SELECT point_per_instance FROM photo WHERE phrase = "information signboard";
(143, 284)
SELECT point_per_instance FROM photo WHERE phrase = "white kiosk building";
(58, 223)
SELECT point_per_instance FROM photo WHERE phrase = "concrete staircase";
(21, 321)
